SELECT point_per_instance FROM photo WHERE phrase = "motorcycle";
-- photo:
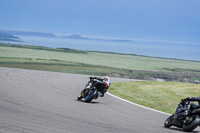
(92, 92)
(187, 118)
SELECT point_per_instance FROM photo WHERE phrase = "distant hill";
(8, 37)
(75, 36)
(28, 33)
(72, 36)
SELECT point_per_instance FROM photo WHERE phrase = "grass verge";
(162, 96)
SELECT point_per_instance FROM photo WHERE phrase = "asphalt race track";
(45, 102)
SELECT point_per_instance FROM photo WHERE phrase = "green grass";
(88, 70)
(162, 96)
(98, 63)
(42, 48)
(56, 66)
(121, 61)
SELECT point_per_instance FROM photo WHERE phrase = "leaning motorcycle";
(187, 119)
(91, 93)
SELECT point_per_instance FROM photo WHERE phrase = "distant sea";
(183, 51)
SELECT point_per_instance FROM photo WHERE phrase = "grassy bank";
(162, 96)
(98, 63)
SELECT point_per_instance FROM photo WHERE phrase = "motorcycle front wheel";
(80, 96)
(168, 121)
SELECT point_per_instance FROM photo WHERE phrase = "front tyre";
(168, 121)
(188, 127)
(80, 96)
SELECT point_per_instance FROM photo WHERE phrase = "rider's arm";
(193, 99)
(194, 106)
(94, 78)
(100, 79)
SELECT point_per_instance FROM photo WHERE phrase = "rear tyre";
(188, 127)
(91, 96)
(168, 121)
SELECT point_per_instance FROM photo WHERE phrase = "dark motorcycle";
(92, 92)
(187, 118)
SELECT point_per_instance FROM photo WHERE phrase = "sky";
(158, 20)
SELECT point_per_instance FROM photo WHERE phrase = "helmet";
(106, 80)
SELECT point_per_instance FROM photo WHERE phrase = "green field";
(121, 61)
(98, 63)
(162, 96)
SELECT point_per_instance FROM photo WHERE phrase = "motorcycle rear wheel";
(92, 96)
(192, 125)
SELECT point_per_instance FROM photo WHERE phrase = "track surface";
(45, 102)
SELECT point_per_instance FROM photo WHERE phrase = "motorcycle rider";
(93, 82)
(180, 109)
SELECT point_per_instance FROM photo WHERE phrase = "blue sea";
(185, 51)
